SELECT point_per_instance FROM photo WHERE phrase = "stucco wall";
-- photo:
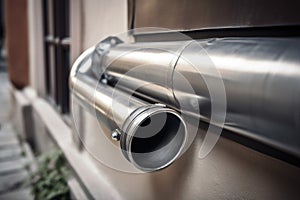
(102, 18)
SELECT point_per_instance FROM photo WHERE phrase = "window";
(56, 15)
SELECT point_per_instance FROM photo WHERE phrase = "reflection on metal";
(152, 136)
(261, 78)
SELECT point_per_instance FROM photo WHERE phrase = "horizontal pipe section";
(261, 77)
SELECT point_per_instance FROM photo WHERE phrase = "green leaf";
(50, 180)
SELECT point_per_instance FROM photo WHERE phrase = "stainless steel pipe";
(261, 77)
(151, 136)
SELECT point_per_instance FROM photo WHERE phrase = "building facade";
(56, 32)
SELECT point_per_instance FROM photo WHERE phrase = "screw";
(115, 135)
(104, 81)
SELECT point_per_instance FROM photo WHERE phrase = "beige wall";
(102, 18)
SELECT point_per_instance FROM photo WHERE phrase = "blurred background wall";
(17, 44)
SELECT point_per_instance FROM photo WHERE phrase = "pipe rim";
(131, 128)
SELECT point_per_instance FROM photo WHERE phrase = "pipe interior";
(157, 141)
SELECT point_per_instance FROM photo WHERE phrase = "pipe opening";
(157, 141)
(146, 122)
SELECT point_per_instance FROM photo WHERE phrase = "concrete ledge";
(76, 190)
(22, 118)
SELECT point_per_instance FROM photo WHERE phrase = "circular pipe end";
(153, 137)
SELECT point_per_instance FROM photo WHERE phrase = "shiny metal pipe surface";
(261, 77)
(151, 136)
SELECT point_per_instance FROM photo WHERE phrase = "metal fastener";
(116, 134)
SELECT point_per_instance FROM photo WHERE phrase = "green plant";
(50, 180)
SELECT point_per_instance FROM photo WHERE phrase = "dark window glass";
(56, 15)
